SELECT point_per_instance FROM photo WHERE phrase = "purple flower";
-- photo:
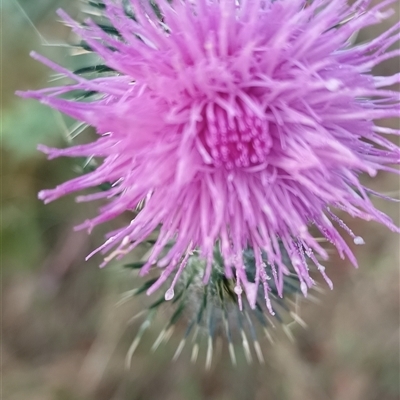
(236, 123)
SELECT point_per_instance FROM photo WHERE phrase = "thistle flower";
(242, 123)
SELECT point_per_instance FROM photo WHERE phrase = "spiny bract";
(212, 311)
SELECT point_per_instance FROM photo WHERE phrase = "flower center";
(235, 137)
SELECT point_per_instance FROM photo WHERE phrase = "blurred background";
(63, 338)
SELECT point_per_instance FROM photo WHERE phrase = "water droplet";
(125, 240)
(295, 260)
(304, 288)
(332, 84)
(269, 306)
(303, 229)
(238, 290)
(358, 240)
(169, 294)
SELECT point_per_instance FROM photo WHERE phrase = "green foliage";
(27, 125)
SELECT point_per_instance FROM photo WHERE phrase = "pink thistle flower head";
(233, 123)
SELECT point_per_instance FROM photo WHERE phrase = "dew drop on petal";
(332, 85)
(269, 306)
(169, 294)
(238, 290)
(358, 240)
(304, 288)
